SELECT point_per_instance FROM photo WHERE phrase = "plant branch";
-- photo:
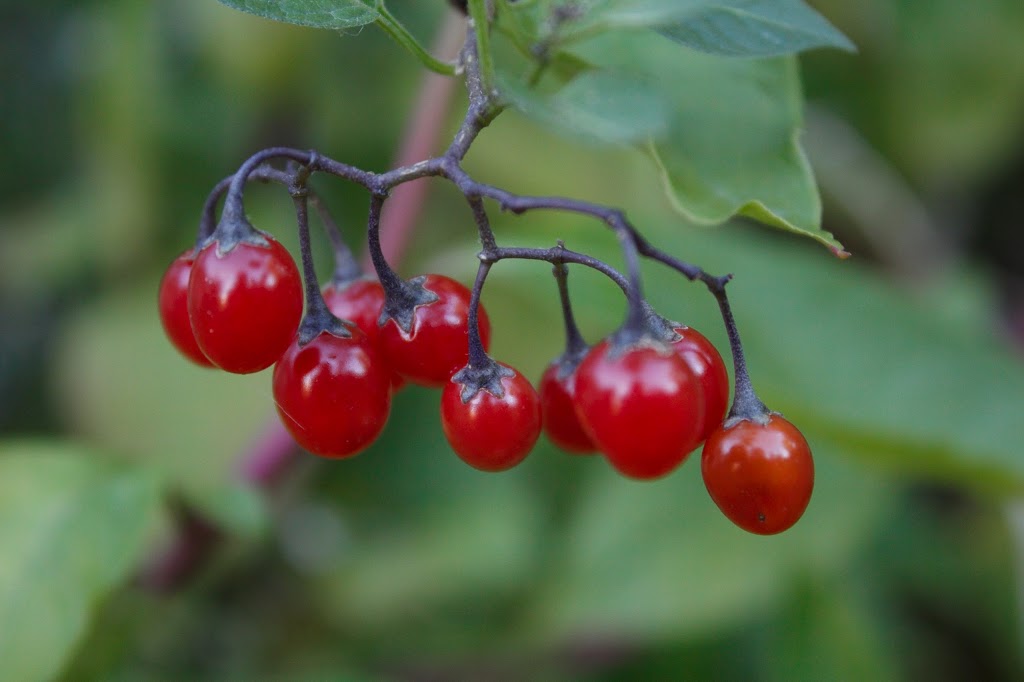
(276, 453)
(480, 33)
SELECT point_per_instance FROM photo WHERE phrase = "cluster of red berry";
(645, 401)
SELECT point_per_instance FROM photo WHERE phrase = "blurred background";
(901, 365)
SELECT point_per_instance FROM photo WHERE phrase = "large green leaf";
(334, 14)
(657, 560)
(828, 633)
(597, 105)
(726, 27)
(755, 28)
(187, 422)
(732, 145)
(71, 528)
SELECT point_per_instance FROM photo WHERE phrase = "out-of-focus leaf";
(650, 561)
(937, 87)
(476, 546)
(756, 28)
(825, 633)
(835, 346)
(188, 422)
(71, 528)
(336, 14)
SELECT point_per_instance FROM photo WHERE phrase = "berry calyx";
(244, 302)
(333, 394)
(760, 474)
(491, 416)
(173, 304)
(424, 335)
(558, 406)
(641, 405)
(707, 365)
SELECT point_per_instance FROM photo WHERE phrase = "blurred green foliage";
(116, 119)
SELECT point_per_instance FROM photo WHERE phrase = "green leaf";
(756, 28)
(71, 528)
(598, 16)
(187, 422)
(828, 633)
(333, 14)
(731, 27)
(732, 144)
(597, 105)
(475, 547)
(657, 560)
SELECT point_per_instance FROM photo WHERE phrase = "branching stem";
(476, 65)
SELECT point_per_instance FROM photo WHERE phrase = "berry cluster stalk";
(484, 106)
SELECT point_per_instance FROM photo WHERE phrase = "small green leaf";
(71, 527)
(333, 14)
(756, 28)
(597, 105)
(732, 144)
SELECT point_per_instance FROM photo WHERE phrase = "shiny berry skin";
(333, 394)
(244, 305)
(359, 301)
(491, 433)
(760, 476)
(173, 301)
(707, 365)
(642, 406)
(557, 402)
(437, 344)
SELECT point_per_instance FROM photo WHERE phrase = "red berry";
(707, 365)
(333, 394)
(174, 309)
(359, 301)
(557, 396)
(244, 305)
(489, 432)
(641, 405)
(437, 344)
(760, 475)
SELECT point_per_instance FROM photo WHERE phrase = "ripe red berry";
(359, 301)
(760, 475)
(436, 346)
(173, 301)
(641, 405)
(245, 304)
(557, 401)
(491, 432)
(333, 394)
(707, 365)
